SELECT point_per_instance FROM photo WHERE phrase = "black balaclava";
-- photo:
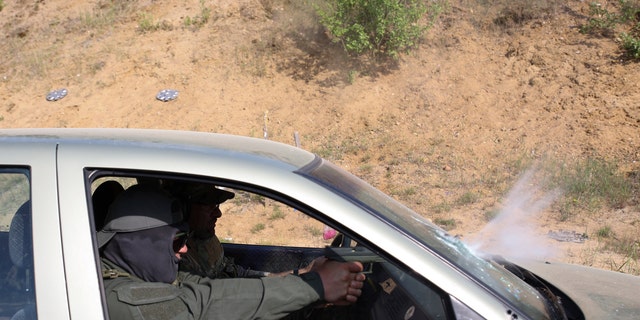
(147, 254)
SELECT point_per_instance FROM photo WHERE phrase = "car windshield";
(490, 274)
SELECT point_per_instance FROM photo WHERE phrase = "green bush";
(381, 27)
(601, 20)
(623, 14)
(631, 44)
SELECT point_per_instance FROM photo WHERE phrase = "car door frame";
(75, 158)
(48, 263)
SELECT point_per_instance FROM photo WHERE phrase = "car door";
(396, 291)
(34, 282)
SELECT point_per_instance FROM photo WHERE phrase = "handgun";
(358, 253)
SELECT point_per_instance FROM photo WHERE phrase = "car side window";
(240, 231)
(250, 218)
(17, 295)
(265, 234)
(103, 192)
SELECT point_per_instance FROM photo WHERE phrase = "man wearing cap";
(206, 255)
(141, 244)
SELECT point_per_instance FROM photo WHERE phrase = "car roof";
(154, 138)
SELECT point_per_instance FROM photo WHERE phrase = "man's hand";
(311, 266)
(342, 281)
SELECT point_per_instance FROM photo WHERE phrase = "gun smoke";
(513, 232)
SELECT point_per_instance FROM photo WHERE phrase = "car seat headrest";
(20, 237)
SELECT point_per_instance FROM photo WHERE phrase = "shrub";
(631, 45)
(600, 20)
(385, 27)
(605, 21)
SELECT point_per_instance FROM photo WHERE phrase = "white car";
(49, 264)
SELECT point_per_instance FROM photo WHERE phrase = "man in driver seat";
(142, 242)
(206, 256)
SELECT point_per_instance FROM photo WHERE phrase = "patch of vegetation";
(38, 62)
(366, 168)
(519, 12)
(146, 24)
(353, 75)
(336, 149)
(277, 214)
(489, 215)
(380, 27)
(257, 228)
(406, 192)
(606, 20)
(243, 198)
(199, 20)
(314, 231)
(505, 14)
(446, 224)
(600, 20)
(106, 14)
(630, 249)
(631, 43)
(1, 5)
(442, 207)
(466, 198)
(604, 232)
(591, 184)
(14, 191)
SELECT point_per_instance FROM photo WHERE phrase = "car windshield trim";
(502, 283)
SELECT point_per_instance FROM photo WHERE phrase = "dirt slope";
(454, 117)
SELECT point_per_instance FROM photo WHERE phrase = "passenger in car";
(142, 242)
(102, 197)
(206, 255)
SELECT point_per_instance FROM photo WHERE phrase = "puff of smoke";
(512, 233)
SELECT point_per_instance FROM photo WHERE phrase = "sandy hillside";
(456, 117)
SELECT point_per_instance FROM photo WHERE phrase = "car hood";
(600, 294)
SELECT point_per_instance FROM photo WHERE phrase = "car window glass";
(17, 295)
(487, 272)
(103, 191)
(261, 235)
(389, 293)
(250, 218)
(463, 312)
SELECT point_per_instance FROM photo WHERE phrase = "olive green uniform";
(195, 297)
(206, 258)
